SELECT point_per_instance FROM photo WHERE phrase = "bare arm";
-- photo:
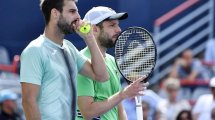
(96, 69)
(174, 71)
(192, 76)
(29, 96)
(121, 112)
(90, 109)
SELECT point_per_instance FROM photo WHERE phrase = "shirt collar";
(53, 43)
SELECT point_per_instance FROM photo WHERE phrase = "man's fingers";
(141, 92)
(140, 79)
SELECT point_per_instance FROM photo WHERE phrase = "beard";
(65, 27)
(105, 40)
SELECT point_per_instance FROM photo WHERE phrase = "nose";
(78, 16)
(118, 29)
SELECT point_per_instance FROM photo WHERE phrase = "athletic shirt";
(203, 107)
(43, 64)
(100, 91)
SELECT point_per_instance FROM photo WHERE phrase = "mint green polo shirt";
(100, 90)
(43, 64)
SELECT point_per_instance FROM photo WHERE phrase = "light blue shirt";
(210, 51)
(42, 63)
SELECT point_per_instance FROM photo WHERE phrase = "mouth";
(74, 23)
(115, 36)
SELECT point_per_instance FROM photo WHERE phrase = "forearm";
(31, 110)
(29, 96)
(174, 72)
(192, 76)
(90, 109)
(97, 61)
(121, 112)
(98, 108)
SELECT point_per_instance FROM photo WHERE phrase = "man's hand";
(135, 89)
(86, 36)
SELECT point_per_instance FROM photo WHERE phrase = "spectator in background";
(150, 98)
(4, 57)
(205, 103)
(169, 108)
(187, 68)
(213, 114)
(146, 110)
(8, 107)
(210, 51)
(184, 115)
(210, 56)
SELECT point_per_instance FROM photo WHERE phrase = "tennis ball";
(85, 29)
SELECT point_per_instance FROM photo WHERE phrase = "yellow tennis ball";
(85, 29)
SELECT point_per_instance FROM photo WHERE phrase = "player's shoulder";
(86, 52)
(67, 42)
(86, 49)
(205, 97)
(34, 46)
(109, 56)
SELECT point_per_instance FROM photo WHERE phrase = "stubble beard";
(105, 40)
(64, 27)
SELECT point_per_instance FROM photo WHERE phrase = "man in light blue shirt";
(210, 51)
(49, 64)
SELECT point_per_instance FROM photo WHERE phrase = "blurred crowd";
(172, 100)
(187, 93)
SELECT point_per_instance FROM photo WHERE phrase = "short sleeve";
(80, 60)
(198, 106)
(197, 65)
(31, 66)
(85, 86)
(209, 50)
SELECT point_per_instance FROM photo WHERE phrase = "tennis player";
(50, 64)
(103, 100)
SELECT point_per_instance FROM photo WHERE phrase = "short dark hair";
(47, 5)
(188, 112)
(100, 24)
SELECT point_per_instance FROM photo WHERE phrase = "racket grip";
(139, 110)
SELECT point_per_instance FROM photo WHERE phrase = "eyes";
(113, 25)
(73, 11)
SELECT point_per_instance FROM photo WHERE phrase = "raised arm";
(96, 69)
(29, 96)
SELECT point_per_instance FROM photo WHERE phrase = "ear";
(95, 28)
(55, 13)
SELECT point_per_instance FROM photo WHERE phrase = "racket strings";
(135, 54)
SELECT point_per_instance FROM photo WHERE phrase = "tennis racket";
(135, 55)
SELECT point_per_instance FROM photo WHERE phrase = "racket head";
(135, 54)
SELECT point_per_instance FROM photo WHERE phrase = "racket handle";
(139, 110)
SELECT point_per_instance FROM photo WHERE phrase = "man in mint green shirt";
(103, 100)
(49, 64)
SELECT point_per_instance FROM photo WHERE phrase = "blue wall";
(21, 21)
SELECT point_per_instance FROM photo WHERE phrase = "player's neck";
(53, 34)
